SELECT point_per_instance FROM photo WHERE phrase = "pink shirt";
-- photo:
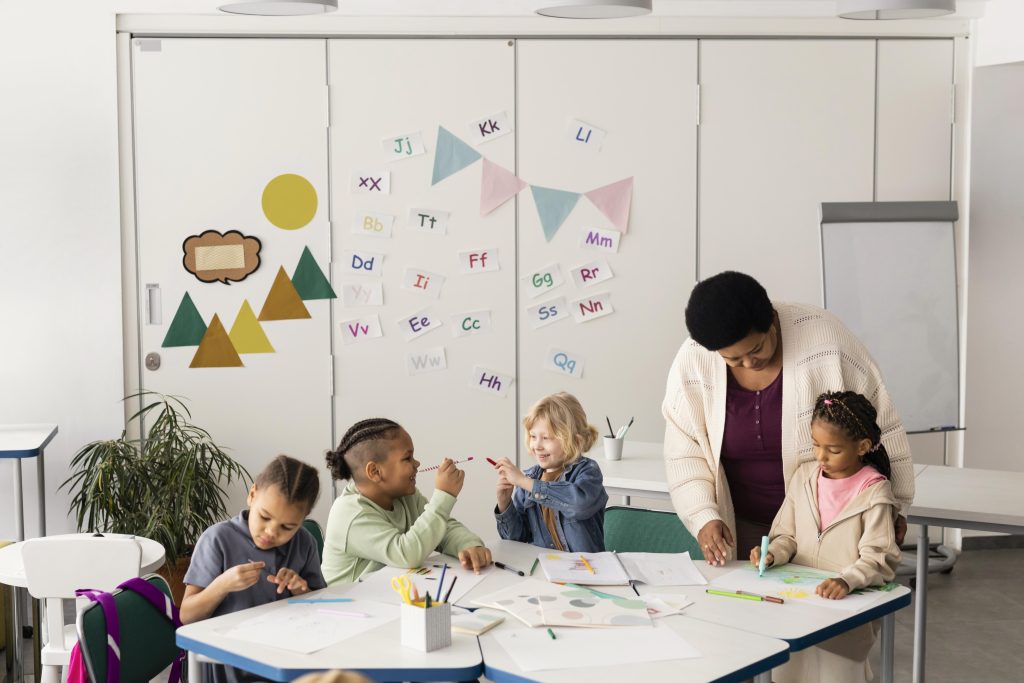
(835, 494)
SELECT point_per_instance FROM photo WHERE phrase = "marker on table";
(552, 634)
(502, 565)
(745, 596)
(293, 601)
(450, 587)
(457, 462)
(587, 564)
(764, 552)
(534, 567)
(766, 598)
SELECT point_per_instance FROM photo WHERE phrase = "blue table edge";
(858, 618)
(32, 452)
(278, 674)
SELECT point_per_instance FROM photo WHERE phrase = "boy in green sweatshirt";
(381, 518)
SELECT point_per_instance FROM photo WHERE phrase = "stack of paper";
(618, 569)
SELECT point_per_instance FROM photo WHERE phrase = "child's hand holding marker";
(755, 557)
(449, 478)
(513, 475)
(241, 576)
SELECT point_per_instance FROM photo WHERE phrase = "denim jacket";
(578, 497)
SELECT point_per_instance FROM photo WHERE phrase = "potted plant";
(168, 485)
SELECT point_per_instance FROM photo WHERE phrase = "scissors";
(406, 588)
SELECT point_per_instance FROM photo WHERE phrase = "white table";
(799, 625)
(12, 573)
(641, 472)
(963, 498)
(27, 441)
(378, 653)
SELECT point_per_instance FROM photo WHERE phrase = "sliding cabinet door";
(231, 151)
(785, 125)
(418, 258)
(593, 113)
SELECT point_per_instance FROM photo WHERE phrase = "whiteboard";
(889, 273)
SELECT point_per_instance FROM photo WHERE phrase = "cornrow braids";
(298, 482)
(373, 429)
(855, 415)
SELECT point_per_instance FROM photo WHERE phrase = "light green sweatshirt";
(362, 536)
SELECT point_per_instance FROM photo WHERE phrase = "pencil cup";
(427, 628)
(613, 448)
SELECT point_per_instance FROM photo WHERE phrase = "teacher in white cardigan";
(738, 405)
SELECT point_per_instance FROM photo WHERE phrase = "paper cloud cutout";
(212, 256)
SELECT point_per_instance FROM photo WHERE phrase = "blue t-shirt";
(227, 544)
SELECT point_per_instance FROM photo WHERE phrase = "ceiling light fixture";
(597, 9)
(894, 9)
(279, 8)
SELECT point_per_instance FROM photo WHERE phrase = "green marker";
(534, 567)
(730, 594)
(552, 634)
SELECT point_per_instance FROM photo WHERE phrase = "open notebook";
(619, 569)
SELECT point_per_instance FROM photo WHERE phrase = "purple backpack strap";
(106, 601)
(160, 602)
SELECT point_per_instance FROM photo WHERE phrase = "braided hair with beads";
(855, 415)
(362, 432)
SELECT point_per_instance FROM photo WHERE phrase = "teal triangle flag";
(187, 328)
(553, 207)
(451, 155)
(309, 281)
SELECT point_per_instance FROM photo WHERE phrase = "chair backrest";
(57, 566)
(312, 527)
(147, 636)
(635, 530)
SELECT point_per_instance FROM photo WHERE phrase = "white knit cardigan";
(818, 354)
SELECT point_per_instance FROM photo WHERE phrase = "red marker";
(491, 461)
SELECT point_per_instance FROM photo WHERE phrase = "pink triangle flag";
(613, 201)
(497, 186)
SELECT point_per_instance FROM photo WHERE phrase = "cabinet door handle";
(154, 310)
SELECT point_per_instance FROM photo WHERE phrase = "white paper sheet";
(311, 627)
(662, 569)
(574, 648)
(795, 584)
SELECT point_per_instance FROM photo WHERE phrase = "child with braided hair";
(838, 515)
(381, 518)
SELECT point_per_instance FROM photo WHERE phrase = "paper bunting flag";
(216, 350)
(452, 155)
(247, 334)
(283, 302)
(187, 328)
(613, 201)
(309, 281)
(553, 207)
(497, 186)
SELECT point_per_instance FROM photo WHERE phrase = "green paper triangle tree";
(309, 280)
(187, 328)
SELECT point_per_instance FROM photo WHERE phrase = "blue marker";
(764, 553)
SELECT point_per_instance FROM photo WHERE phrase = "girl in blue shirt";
(559, 502)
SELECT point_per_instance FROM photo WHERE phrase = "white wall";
(999, 33)
(995, 290)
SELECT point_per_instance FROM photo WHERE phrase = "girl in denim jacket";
(559, 502)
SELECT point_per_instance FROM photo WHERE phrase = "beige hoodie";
(859, 545)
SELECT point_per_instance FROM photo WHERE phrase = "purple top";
(752, 450)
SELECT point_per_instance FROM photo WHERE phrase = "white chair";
(56, 567)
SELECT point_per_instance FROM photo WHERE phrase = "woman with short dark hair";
(738, 404)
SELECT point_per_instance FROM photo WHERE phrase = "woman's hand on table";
(715, 540)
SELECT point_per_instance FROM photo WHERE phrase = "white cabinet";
(642, 93)
(785, 125)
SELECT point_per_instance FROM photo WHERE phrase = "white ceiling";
(520, 8)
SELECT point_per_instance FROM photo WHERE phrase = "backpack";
(160, 602)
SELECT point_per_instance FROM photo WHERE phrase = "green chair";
(635, 530)
(312, 527)
(147, 636)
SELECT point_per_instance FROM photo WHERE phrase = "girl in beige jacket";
(838, 516)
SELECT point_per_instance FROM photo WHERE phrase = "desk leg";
(625, 499)
(920, 604)
(763, 677)
(14, 641)
(41, 476)
(195, 669)
(19, 503)
(888, 646)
